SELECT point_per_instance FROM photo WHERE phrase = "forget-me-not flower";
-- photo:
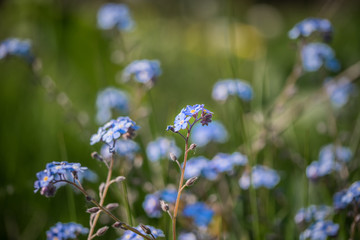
(143, 71)
(200, 213)
(161, 148)
(123, 148)
(316, 55)
(261, 176)
(130, 235)
(114, 15)
(16, 47)
(320, 230)
(151, 203)
(232, 87)
(339, 91)
(215, 132)
(310, 25)
(63, 231)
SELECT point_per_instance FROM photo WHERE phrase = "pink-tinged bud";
(191, 181)
(112, 206)
(93, 210)
(102, 231)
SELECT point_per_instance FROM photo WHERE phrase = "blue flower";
(232, 87)
(339, 91)
(337, 200)
(193, 110)
(330, 159)
(320, 230)
(215, 132)
(144, 71)
(114, 129)
(16, 47)
(315, 55)
(313, 212)
(63, 231)
(123, 148)
(181, 121)
(151, 203)
(161, 149)
(112, 15)
(129, 235)
(310, 25)
(195, 166)
(223, 162)
(110, 99)
(261, 177)
(187, 236)
(200, 213)
(47, 180)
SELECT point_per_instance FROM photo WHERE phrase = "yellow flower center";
(182, 121)
(192, 111)
(45, 178)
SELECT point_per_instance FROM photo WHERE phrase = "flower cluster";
(161, 148)
(182, 120)
(215, 132)
(48, 179)
(110, 99)
(310, 25)
(151, 203)
(187, 236)
(320, 230)
(220, 163)
(113, 130)
(315, 55)
(16, 47)
(344, 198)
(311, 213)
(112, 15)
(339, 91)
(144, 71)
(330, 158)
(63, 231)
(200, 213)
(261, 176)
(129, 235)
(232, 87)
(123, 148)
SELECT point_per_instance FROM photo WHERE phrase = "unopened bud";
(173, 157)
(97, 156)
(119, 225)
(112, 206)
(164, 206)
(193, 146)
(93, 210)
(88, 198)
(102, 231)
(120, 179)
(101, 187)
(145, 228)
(191, 181)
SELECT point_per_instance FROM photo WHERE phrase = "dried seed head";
(119, 225)
(102, 231)
(120, 179)
(97, 156)
(191, 181)
(93, 210)
(112, 206)
(192, 146)
(145, 228)
(173, 157)
(164, 206)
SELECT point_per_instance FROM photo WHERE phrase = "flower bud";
(164, 206)
(97, 156)
(119, 225)
(102, 231)
(173, 157)
(93, 210)
(145, 228)
(193, 146)
(112, 206)
(191, 181)
(120, 179)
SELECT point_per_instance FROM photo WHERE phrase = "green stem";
(126, 202)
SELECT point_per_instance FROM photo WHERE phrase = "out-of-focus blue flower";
(224, 162)
(110, 99)
(315, 55)
(347, 196)
(144, 71)
(337, 200)
(123, 148)
(200, 213)
(339, 91)
(261, 177)
(113, 15)
(114, 129)
(161, 148)
(187, 236)
(306, 215)
(151, 203)
(16, 47)
(63, 231)
(129, 235)
(232, 87)
(215, 132)
(310, 25)
(55, 171)
(320, 230)
(195, 166)
(330, 159)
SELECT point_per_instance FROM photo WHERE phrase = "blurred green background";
(197, 43)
